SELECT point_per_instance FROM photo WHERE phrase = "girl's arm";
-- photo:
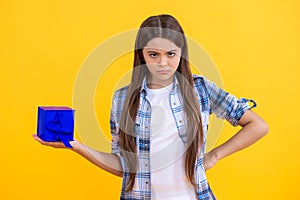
(106, 161)
(253, 128)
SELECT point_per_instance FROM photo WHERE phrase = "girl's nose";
(163, 61)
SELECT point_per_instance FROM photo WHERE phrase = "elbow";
(264, 128)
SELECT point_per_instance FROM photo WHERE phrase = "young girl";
(159, 122)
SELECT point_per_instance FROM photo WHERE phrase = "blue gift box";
(56, 123)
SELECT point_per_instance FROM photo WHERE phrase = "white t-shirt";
(167, 151)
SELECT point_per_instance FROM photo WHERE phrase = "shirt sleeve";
(225, 105)
(114, 128)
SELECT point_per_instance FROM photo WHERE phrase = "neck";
(157, 84)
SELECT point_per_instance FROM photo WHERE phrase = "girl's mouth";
(163, 71)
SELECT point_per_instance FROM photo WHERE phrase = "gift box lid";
(55, 108)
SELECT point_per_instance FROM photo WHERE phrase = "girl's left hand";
(209, 160)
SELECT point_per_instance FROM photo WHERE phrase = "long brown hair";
(167, 27)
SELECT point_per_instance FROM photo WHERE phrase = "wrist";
(215, 154)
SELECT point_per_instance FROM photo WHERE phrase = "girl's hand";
(106, 161)
(209, 160)
(50, 144)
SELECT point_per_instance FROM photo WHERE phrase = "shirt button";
(174, 103)
(146, 165)
(180, 121)
(147, 182)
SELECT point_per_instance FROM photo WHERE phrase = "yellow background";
(255, 45)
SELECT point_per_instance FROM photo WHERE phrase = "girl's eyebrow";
(150, 51)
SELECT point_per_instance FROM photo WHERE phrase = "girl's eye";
(153, 55)
(171, 54)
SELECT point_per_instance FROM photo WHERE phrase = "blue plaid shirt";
(211, 98)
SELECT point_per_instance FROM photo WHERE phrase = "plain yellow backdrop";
(255, 45)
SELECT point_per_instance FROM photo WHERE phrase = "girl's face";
(162, 58)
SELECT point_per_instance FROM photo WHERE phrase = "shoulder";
(198, 78)
(200, 82)
(202, 92)
(200, 85)
(121, 93)
(118, 100)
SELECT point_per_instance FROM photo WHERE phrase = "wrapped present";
(56, 123)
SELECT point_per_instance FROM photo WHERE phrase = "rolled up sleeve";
(226, 105)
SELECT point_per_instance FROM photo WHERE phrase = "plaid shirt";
(211, 98)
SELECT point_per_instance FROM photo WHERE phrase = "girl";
(159, 122)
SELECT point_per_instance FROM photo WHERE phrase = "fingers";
(37, 138)
(51, 144)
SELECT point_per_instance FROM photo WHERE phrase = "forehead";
(161, 44)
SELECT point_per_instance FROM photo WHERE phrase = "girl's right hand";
(106, 161)
(51, 144)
